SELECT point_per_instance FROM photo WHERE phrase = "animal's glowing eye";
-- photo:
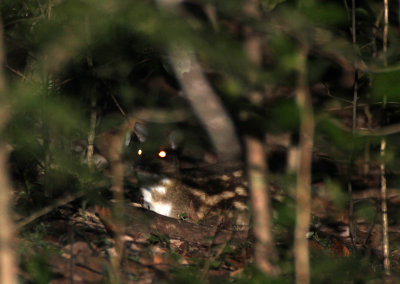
(162, 154)
(140, 152)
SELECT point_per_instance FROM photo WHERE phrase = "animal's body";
(173, 184)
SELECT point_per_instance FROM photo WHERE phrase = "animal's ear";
(141, 131)
(175, 139)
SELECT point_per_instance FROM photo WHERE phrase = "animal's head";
(155, 148)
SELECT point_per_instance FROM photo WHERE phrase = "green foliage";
(326, 14)
(336, 136)
(336, 193)
(325, 269)
(367, 211)
(187, 275)
(39, 269)
(285, 214)
(254, 276)
(35, 254)
(285, 116)
(387, 85)
(269, 5)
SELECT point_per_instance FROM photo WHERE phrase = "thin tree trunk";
(110, 145)
(204, 101)
(265, 254)
(385, 226)
(264, 249)
(385, 30)
(352, 221)
(117, 172)
(303, 198)
(8, 263)
(206, 104)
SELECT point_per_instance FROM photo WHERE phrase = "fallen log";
(139, 220)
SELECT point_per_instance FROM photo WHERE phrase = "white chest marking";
(159, 189)
(160, 207)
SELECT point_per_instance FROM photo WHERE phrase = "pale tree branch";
(303, 197)
(206, 104)
(265, 254)
(385, 226)
(204, 101)
(385, 30)
(8, 263)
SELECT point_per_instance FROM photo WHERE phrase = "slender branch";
(92, 129)
(352, 221)
(367, 150)
(58, 203)
(385, 226)
(355, 87)
(375, 34)
(121, 110)
(115, 151)
(382, 131)
(303, 198)
(17, 72)
(329, 94)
